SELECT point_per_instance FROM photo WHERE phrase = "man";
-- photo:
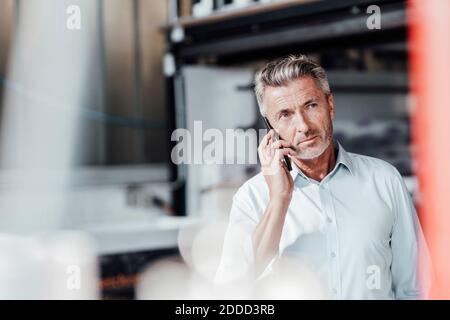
(349, 216)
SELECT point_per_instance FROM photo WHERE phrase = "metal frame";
(293, 26)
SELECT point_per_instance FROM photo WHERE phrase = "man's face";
(302, 114)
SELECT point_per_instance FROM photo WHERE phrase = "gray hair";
(280, 72)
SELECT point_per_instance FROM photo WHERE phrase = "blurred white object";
(54, 265)
(22, 274)
(201, 248)
(242, 3)
(198, 278)
(171, 279)
(47, 83)
(202, 8)
(165, 279)
(206, 249)
(71, 265)
(234, 264)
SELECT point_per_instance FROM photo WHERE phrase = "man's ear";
(331, 104)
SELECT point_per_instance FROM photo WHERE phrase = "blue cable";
(88, 112)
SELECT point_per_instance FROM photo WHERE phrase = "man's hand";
(273, 167)
(267, 235)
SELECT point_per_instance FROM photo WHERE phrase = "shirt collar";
(342, 158)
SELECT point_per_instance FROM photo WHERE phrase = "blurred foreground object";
(47, 82)
(430, 67)
(197, 276)
(51, 265)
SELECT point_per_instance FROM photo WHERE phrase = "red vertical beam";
(429, 43)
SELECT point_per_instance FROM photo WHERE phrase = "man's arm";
(410, 259)
(267, 235)
(251, 244)
(261, 238)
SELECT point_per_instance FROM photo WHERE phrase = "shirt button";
(333, 255)
(334, 291)
(329, 220)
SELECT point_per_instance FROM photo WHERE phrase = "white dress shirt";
(358, 222)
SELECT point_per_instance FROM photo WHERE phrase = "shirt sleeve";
(410, 258)
(237, 258)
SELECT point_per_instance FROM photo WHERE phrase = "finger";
(268, 147)
(270, 136)
(266, 139)
(281, 153)
(268, 151)
(282, 144)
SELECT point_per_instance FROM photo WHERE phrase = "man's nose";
(301, 122)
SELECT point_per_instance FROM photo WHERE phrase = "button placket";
(334, 245)
(328, 210)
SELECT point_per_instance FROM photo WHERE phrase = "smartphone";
(287, 161)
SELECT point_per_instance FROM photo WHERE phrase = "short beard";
(308, 155)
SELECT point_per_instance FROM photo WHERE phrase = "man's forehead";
(298, 91)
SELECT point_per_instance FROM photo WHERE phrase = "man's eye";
(312, 105)
(284, 114)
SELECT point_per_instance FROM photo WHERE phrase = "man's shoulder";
(370, 165)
